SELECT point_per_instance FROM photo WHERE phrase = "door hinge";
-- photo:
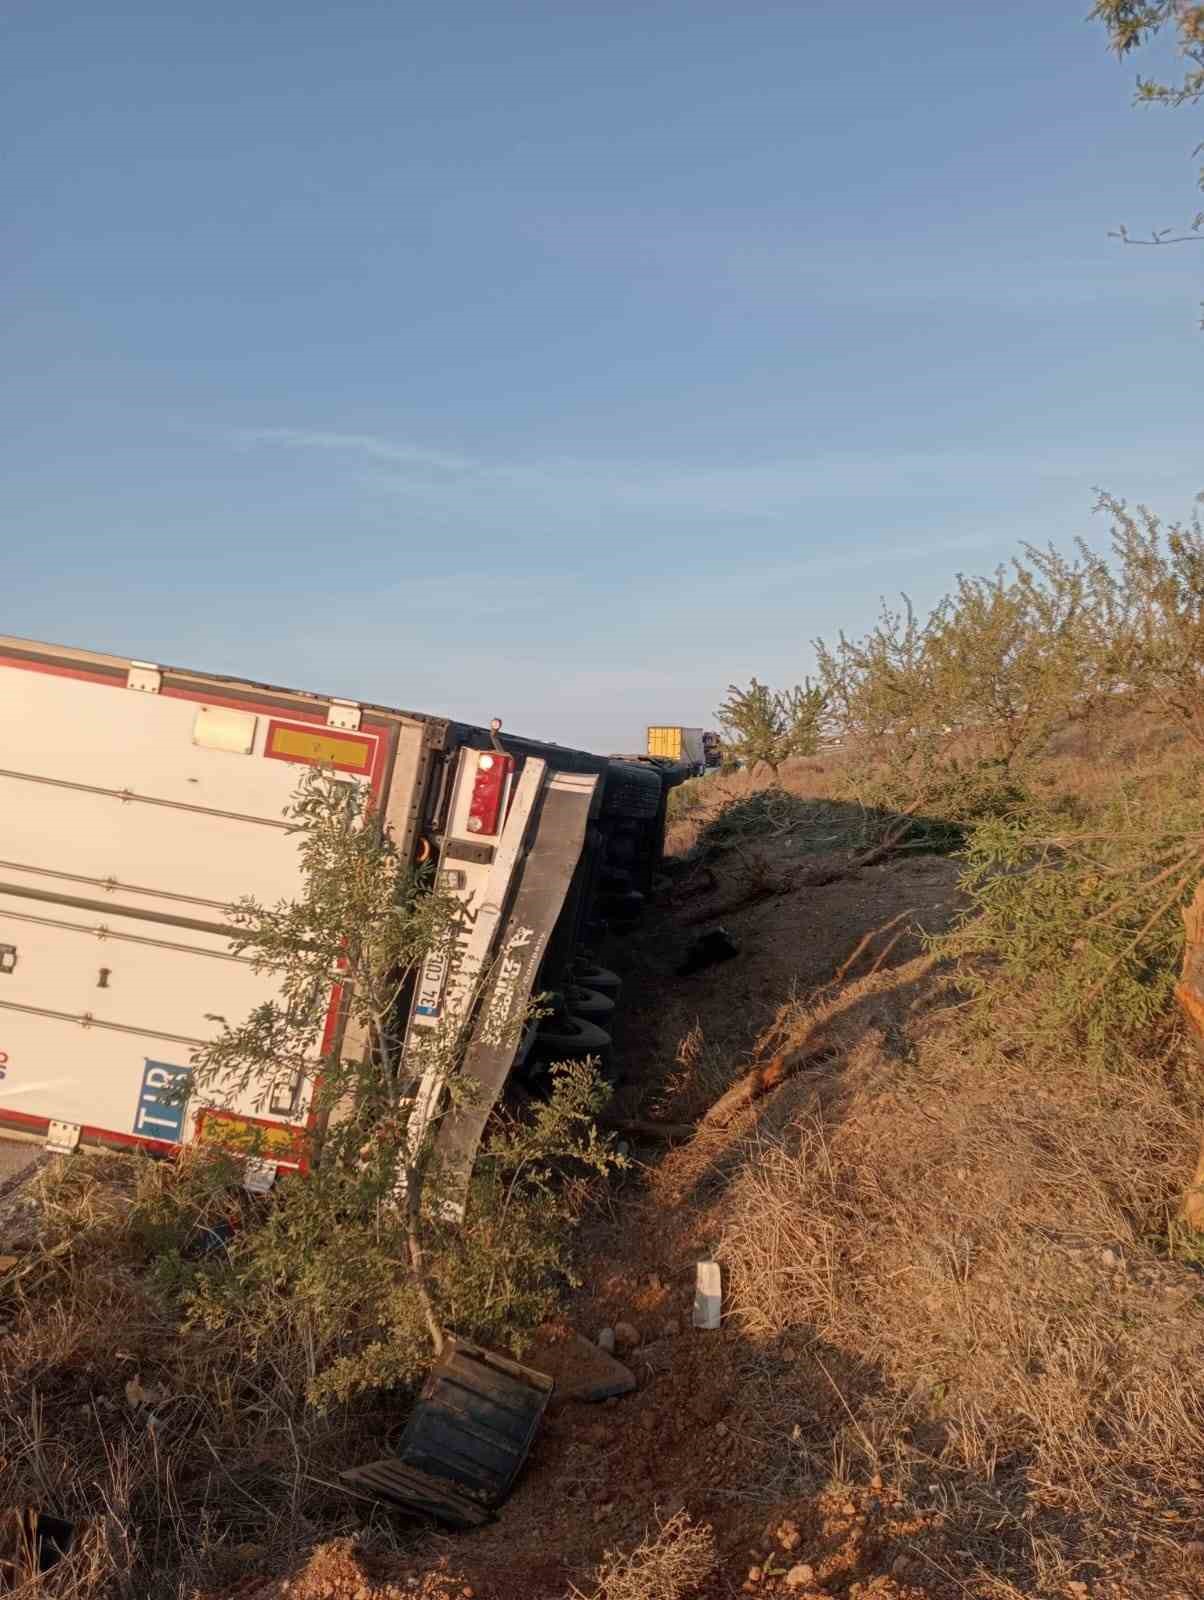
(344, 714)
(144, 675)
(62, 1137)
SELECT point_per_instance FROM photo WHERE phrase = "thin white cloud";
(360, 446)
(576, 488)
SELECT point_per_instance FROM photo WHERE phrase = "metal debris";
(31, 1542)
(466, 1440)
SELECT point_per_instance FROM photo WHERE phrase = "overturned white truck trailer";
(138, 802)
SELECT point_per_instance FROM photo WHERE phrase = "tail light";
(489, 791)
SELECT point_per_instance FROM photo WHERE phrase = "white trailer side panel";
(129, 822)
(94, 1004)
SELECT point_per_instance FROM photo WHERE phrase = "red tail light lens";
(489, 791)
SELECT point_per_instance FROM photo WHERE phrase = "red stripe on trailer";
(52, 670)
(131, 1141)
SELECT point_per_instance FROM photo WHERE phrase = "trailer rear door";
(665, 742)
(130, 819)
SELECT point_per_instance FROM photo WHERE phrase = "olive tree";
(360, 1256)
(1156, 634)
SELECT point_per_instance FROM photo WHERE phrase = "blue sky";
(565, 362)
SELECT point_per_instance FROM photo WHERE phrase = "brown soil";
(702, 1430)
(341, 1571)
(877, 1410)
(862, 1424)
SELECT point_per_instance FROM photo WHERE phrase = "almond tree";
(768, 725)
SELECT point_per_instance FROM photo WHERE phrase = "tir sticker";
(163, 1101)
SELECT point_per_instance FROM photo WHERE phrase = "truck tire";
(622, 910)
(631, 791)
(600, 979)
(590, 1004)
(570, 1039)
(622, 848)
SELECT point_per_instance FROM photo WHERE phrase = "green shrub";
(769, 725)
(356, 1260)
(945, 793)
(1081, 925)
(997, 667)
(326, 1266)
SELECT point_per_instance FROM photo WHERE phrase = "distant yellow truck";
(685, 746)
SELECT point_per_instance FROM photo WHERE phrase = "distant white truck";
(139, 802)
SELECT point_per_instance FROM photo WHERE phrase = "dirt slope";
(705, 1429)
(955, 1360)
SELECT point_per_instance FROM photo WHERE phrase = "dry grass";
(952, 1260)
(980, 1246)
(798, 809)
(184, 1458)
(669, 1564)
(699, 1075)
(947, 1268)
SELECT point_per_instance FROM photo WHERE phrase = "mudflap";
(466, 1440)
(544, 878)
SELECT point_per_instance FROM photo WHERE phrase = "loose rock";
(706, 950)
(606, 1340)
(626, 1336)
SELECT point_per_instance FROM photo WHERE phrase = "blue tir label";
(163, 1101)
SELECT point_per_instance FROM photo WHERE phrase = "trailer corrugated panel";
(665, 742)
(129, 823)
(683, 745)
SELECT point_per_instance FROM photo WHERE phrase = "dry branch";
(763, 1080)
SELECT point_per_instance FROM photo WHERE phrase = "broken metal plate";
(392, 1481)
(466, 1440)
(31, 1542)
